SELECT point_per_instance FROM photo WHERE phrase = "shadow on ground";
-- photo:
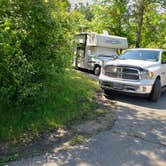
(139, 101)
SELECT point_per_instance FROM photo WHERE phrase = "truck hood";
(135, 63)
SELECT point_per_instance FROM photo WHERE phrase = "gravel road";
(138, 138)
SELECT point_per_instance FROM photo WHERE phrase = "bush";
(33, 45)
(69, 101)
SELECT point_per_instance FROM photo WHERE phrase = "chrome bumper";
(138, 89)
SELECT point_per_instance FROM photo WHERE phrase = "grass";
(77, 140)
(72, 100)
(95, 112)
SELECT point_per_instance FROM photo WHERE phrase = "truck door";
(80, 56)
(163, 68)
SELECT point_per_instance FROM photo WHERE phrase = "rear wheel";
(156, 90)
(97, 70)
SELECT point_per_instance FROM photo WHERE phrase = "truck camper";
(93, 50)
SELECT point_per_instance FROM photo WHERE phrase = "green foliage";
(77, 140)
(36, 90)
(34, 43)
(154, 32)
(71, 100)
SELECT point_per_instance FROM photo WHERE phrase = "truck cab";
(138, 71)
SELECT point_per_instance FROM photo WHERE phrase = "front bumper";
(135, 87)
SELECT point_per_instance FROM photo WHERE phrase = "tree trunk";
(141, 5)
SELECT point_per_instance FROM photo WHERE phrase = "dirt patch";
(94, 126)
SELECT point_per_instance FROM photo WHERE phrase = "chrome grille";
(123, 72)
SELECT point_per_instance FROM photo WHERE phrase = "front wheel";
(97, 70)
(156, 90)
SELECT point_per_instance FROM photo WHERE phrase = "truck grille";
(123, 72)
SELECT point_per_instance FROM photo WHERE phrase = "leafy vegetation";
(77, 140)
(72, 100)
(31, 51)
(36, 90)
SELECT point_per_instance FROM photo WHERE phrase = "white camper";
(92, 50)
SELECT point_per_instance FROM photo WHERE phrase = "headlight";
(145, 74)
(103, 69)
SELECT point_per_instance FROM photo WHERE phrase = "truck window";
(163, 57)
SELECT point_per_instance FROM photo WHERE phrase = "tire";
(156, 91)
(97, 70)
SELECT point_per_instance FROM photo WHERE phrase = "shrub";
(33, 45)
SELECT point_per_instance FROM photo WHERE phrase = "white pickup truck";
(138, 71)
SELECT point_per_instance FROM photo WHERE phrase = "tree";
(153, 31)
(148, 17)
(140, 7)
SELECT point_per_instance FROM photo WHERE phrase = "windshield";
(146, 55)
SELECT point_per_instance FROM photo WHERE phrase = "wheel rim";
(97, 71)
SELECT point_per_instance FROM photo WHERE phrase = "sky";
(74, 2)
(78, 1)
